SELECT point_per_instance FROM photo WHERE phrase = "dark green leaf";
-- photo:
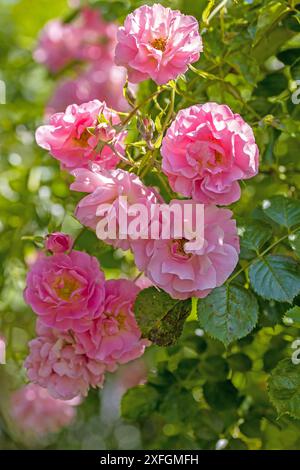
(284, 388)
(228, 313)
(139, 402)
(255, 235)
(160, 317)
(209, 425)
(239, 362)
(215, 368)
(276, 277)
(221, 395)
(282, 210)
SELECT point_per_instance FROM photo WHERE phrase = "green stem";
(137, 108)
(216, 10)
(261, 255)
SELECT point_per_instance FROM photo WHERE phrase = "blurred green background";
(248, 47)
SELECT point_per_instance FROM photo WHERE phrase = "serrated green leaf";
(255, 235)
(294, 241)
(282, 210)
(160, 317)
(284, 388)
(292, 316)
(276, 277)
(228, 313)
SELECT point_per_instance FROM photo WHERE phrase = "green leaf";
(160, 317)
(276, 277)
(292, 316)
(139, 402)
(228, 313)
(294, 241)
(255, 235)
(221, 395)
(273, 84)
(209, 425)
(207, 10)
(71, 226)
(270, 14)
(215, 368)
(289, 56)
(282, 210)
(239, 362)
(236, 444)
(251, 427)
(284, 388)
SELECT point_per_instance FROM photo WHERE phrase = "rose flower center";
(159, 44)
(177, 248)
(83, 139)
(64, 286)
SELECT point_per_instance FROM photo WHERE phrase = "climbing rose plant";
(199, 115)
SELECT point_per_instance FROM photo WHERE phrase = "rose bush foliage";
(228, 353)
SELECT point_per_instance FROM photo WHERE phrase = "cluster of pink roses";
(87, 43)
(85, 326)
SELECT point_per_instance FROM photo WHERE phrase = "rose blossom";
(57, 45)
(55, 364)
(157, 42)
(186, 269)
(87, 38)
(206, 150)
(66, 290)
(104, 81)
(83, 133)
(97, 36)
(115, 337)
(36, 412)
(105, 188)
(58, 242)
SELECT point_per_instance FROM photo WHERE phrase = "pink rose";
(115, 337)
(58, 242)
(104, 81)
(157, 42)
(105, 188)
(35, 412)
(66, 291)
(55, 364)
(98, 37)
(2, 349)
(88, 38)
(187, 270)
(206, 150)
(83, 133)
(57, 45)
